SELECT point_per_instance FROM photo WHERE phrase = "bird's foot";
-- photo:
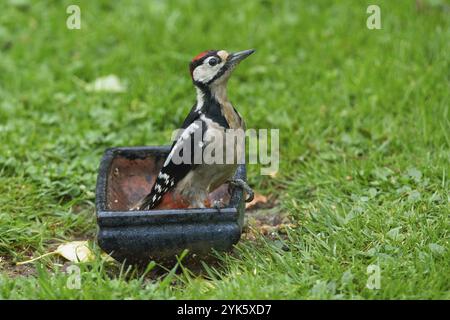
(242, 184)
(218, 204)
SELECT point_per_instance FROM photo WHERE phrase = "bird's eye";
(213, 61)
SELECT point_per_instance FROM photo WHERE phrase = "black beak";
(235, 58)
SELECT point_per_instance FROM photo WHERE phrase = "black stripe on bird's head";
(215, 66)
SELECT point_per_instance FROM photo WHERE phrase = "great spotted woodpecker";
(190, 183)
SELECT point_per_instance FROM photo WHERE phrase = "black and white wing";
(175, 170)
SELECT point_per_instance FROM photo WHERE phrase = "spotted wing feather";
(172, 172)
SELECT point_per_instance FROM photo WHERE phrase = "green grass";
(364, 134)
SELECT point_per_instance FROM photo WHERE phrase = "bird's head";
(214, 67)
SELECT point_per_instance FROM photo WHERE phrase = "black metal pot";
(125, 176)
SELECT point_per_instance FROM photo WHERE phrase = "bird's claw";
(218, 204)
(244, 185)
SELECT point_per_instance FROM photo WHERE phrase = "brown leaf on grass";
(109, 83)
(75, 251)
(257, 201)
(266, 229)
(267, 222)
(273, 174)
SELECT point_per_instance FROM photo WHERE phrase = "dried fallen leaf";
(75, 251)
(110, 83)
(249, 236)
(284, 227)
(258, 199)
(267, 229)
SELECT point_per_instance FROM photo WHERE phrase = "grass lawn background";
(364, 140)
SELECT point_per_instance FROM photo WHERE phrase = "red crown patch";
(201, 55)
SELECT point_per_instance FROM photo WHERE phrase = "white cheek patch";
(205, 72)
